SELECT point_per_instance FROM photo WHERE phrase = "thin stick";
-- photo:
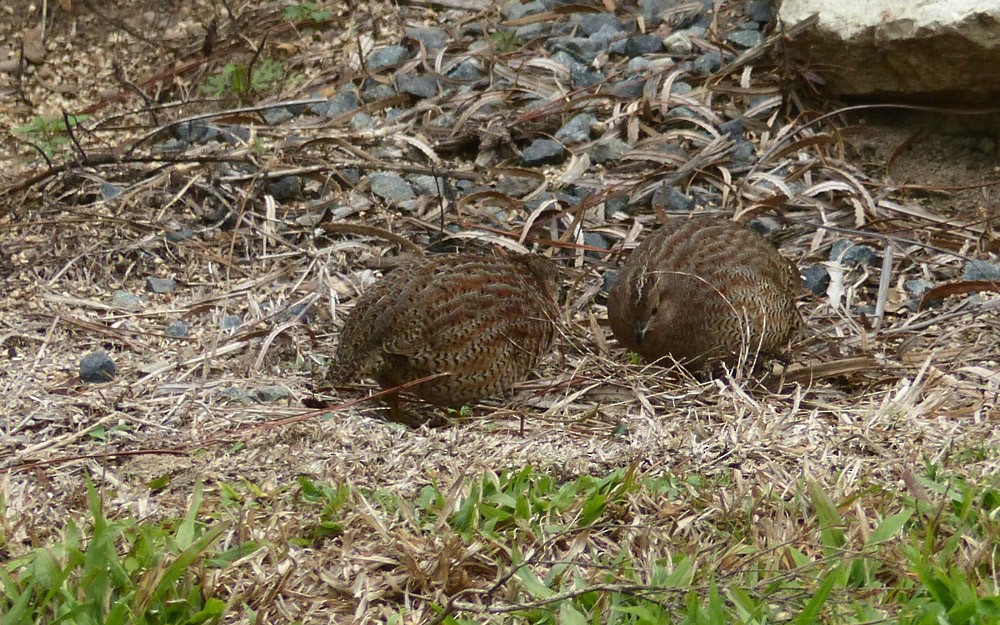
(883, 285)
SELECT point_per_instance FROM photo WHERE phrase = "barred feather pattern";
(701, 289)
(484, 321)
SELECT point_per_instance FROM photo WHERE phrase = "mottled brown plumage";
(485, 320)
(701, 290)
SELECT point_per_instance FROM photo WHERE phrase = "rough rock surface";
(931, 51)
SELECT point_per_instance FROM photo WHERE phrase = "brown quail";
(484, 320)
(703, 290)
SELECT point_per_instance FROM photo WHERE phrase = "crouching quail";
(703, 290)
(479, 322)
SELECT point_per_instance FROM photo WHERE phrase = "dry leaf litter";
(209, 245)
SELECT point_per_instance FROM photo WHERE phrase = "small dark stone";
(378, 91)
(529, 32)
(583, 49)
(350, 175)
(629, 89)
(680, 87)
(764, 226)
(385, 58)
(97, 367)
(536, 203)
(124, 299)
(761, 11)
(574, 193)
(733, 128)
(564, 58)
(576, 130)
(593, 239)
(230, 322)
(516, 186)
(707, 63)
(670, 148)
(637, 65)
(917, 287)
(667, 9)
(678, 44)
(171, 145)
(515, 10)
(285, 188)
(361, 121)
(672, 199)
(160, 285)
(390, 186)
(653, 10)
(744, 153)
(543, 152)
(420, 86)
(585, 77)
(225, 218)
(276, 115)
(498, 213)
(703, 197)
(816, 279)
(208, 133)
(177, 330)
(701, 20)
(473, 29)
(608, 149)
(760, 101)
(443, 121)
(234, 134)
(314, 218)
(570, 199)
(432, 37)
(591, 23)
(608, 36)
(109, 191)
(176, 236)
(235, 393)
(851, 254)
(616, 205)
(982, 270)
(608, 279)
(643, 44)
(341, 104)
(746, 38)
(296, 311)
(270, 394)
(427, 185)
(195, 132)
(468, 70)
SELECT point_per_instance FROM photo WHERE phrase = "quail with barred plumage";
(704, 290)
(479, 322)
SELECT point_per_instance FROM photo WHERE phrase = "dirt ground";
(864, 399)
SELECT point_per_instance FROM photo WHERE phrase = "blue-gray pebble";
(97, 367)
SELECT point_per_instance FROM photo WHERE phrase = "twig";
(883, 285)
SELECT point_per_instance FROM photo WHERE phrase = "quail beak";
(640, 330)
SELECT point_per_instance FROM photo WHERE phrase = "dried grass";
(866, 398)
